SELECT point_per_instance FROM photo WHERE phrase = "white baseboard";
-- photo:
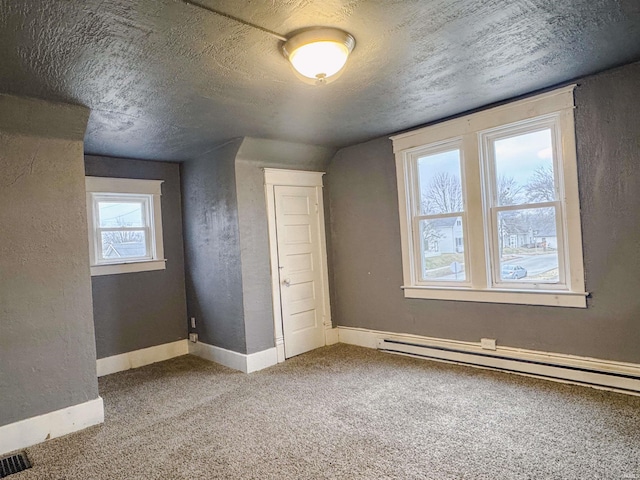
(261, 360)
(238, 361)
(359, 336)
(140, 358)
(35, 430)
(593, 372)
(331, 336)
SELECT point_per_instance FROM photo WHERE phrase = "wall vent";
(13, 464)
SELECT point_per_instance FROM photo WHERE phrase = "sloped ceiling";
(165, 80)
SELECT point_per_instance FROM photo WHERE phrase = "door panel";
(298, 238)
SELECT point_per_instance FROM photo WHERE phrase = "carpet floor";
(345, 412)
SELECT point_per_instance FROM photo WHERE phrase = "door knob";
(286, 282)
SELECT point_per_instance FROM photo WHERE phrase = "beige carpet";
(345, 412)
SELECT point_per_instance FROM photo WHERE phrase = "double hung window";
(439, 207)
(125, 225)
(489, 206)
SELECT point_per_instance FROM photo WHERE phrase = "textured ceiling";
(166, 80)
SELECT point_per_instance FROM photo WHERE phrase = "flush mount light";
(317, 54)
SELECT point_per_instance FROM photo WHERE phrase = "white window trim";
(468, 130)
(126, 186)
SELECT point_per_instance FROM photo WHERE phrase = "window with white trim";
(489, 206)
(125, 225)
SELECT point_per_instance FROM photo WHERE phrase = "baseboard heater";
(543, 368)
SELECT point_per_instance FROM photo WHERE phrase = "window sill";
(133, 267)
(537, 297)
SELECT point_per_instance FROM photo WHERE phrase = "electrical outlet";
(193, 337)
(193, 322)
(488, 343)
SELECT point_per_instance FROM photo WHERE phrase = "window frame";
(146, 192)
(492, 209)
(474, 131)
(417, 216)
(144, 200)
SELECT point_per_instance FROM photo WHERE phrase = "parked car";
(511, 272)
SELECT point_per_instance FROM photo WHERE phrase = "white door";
(299, 264)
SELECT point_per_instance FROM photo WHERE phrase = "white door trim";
(295, 178)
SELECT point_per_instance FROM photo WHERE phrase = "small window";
(125, 225)
(498, 191)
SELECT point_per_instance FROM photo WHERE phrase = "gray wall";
(226, 239)
(212, 247)
(47, 343)
(139, 310)
(254, 155)
(367, 265)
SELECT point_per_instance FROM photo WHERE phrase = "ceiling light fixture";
(318, 54)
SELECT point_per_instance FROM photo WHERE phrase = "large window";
(125, 225)
(489, 206)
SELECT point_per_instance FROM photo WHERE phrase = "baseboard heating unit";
(563, 368)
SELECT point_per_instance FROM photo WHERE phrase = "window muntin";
(125, 225)
(438, 209)
(505, 225)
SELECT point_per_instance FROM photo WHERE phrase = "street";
(535, 265)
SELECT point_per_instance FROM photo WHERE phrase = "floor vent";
(13, 464)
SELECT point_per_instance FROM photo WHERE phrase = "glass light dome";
(319, 54)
